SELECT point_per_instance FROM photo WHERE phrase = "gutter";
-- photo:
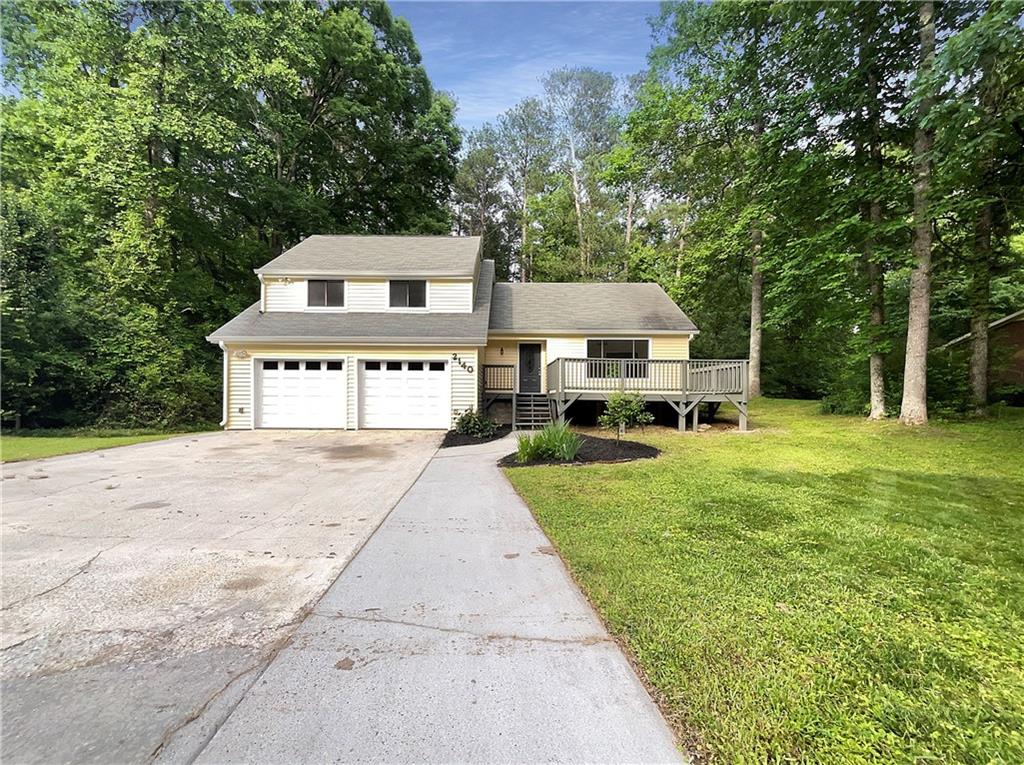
(474, 342)
(634, 332)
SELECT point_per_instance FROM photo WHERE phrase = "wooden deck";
(681, 383)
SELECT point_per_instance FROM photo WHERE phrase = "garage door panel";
(404, 394)
(301, 394)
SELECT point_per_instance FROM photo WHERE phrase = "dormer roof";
(397, 257)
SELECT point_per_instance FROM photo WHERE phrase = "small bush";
(472, 423)
(625, 410)
(554, 442)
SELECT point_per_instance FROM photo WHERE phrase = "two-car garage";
(390, 393)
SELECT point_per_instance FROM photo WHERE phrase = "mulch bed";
(595, 449)
(451, 438)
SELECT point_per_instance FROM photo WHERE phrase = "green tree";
(525, 142)
(168, 148)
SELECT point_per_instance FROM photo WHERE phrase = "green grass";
(822, 590)
(51, 444)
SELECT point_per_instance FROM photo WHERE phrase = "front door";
(529, 368)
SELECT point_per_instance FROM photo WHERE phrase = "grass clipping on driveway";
(823, 590)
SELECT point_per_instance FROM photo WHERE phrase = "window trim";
(410, 309)
(328, 308)
(586, 351)
(638, 372)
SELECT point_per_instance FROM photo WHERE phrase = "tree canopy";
(156, 152)
(786, 171)
(830, 188)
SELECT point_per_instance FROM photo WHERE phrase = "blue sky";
(492, 54)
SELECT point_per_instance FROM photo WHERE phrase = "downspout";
(263, 294)
(224, 388)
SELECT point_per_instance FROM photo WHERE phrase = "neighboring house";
(409, 331)
(1006, 349)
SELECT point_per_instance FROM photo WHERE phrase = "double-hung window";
(325, 293)
(633, 354)
(408, 293)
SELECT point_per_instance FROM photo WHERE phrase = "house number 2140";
(461, 363)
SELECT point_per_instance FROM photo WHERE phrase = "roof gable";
(379, 256)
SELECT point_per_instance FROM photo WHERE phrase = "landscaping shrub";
(625, 410)
(554, 442)
(472, 423)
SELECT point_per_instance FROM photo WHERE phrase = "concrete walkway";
(455, 635)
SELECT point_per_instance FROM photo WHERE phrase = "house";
(409, 331)
(1006, 349)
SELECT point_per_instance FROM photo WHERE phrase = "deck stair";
(532, 410)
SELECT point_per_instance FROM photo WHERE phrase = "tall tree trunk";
(574, 173)
(876, 361)
(756, 311)
(630, 204)
(525, 228)
(914, 408)
(979, 291)
(756, 242)
(980, 285)
(873, 209)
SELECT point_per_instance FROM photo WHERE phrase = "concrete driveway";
(144, 588)
(456, 635)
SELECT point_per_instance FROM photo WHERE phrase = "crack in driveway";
(490, 636)
(81, 570)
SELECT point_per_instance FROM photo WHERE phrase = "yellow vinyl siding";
(450, 296)
(366, 295)
(464, 383)
(505, 351)
(239, 392)
(670, 347)
(369, 295)
(567, 347)
(285, 296)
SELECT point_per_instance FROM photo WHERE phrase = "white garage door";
(404, 394)
(300, 394)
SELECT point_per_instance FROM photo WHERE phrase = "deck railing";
(669, 376)
(499, 377)
(707, 376)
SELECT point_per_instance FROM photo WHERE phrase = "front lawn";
(25, 447)
(822, 590)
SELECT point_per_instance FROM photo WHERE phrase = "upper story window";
(324, 293)
(407, 293)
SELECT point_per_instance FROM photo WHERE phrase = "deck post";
(560, 406)
(682, 417)
(696, 417)
(746, 395)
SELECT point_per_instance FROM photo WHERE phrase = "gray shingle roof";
(591, 307)
(377, 328)
(396, 256)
